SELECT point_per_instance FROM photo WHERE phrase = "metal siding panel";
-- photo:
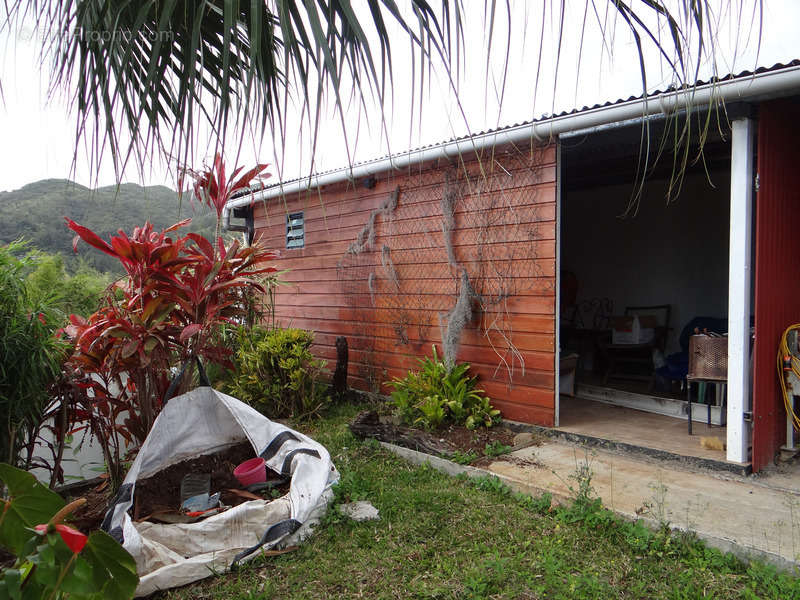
(777, 266)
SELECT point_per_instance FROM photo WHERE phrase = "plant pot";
(251, 471)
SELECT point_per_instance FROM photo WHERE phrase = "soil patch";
(162, 491)
(88, 517)
(453, 441)
(475, 440)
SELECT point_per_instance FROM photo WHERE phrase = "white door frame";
(740, 278)
(557, 310)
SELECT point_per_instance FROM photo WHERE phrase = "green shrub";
(276, 372)
(79, 293)
(30, 355)
(221, 376)
(436, 394)
(496, 448)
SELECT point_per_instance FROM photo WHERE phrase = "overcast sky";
(38, 133)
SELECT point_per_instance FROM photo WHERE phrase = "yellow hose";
(783, 351)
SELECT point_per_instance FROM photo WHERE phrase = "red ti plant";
(97, 403)
(177, 294)
(214, 188)
(131, 337)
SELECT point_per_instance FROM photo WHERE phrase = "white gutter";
(754, 87)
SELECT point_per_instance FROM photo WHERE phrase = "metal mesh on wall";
(446, 254)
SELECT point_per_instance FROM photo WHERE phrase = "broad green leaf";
(11, 584)
(113, 569)
(48, 569)
(80, 583)
(29, 503)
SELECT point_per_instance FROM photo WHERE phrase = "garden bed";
(454, 442)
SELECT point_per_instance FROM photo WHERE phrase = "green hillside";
(36, 212)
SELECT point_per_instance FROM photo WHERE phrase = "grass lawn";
(444, 537)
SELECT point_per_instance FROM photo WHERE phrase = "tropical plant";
(146, 72)
(437, 393)
(52, 560)
(165, 312)
(91, 407)
(213, 188)
(276, 372)
(30, 355)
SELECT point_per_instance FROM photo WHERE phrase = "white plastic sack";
(201, 422)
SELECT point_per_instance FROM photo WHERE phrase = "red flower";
(73, 538)
(42, 319)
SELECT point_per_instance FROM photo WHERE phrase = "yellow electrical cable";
(783, 351)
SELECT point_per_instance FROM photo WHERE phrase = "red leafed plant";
(213, 187)
(177, 294)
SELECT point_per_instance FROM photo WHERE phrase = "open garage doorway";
(644, 273)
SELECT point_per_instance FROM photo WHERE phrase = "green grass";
(444, 537)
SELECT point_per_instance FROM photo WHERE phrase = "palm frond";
(144, 77)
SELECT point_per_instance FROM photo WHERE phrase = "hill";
(36, 212)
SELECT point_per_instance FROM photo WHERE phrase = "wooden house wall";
(391, 299)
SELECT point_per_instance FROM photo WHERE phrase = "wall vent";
(295, 231)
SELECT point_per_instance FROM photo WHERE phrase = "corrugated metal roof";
(543, 118)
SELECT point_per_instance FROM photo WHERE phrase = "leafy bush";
(496, 448)
(78, 293)
(276, 372)
(52, 560)
(36, 294)
(436, 394)
(30, 355)
(463, 458)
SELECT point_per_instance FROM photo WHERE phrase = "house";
(494, 246)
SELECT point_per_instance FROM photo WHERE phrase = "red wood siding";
(389, 299)
(777, 270)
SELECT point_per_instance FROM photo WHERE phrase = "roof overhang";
(754, 87)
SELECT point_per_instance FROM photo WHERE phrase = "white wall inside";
(673, 254)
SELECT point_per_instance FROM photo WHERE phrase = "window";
(295, 231)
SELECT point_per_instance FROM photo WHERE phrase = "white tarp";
(205, 421)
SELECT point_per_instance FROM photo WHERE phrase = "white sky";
(38, 134)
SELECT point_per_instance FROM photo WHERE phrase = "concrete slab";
(745, 515)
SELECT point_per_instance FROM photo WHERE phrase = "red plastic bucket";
(251, 471)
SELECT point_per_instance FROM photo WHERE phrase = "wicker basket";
(708, 358)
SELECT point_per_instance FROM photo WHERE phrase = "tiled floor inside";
(637, 427)
(633, 386)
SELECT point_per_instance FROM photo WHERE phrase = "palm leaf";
(142, 76)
